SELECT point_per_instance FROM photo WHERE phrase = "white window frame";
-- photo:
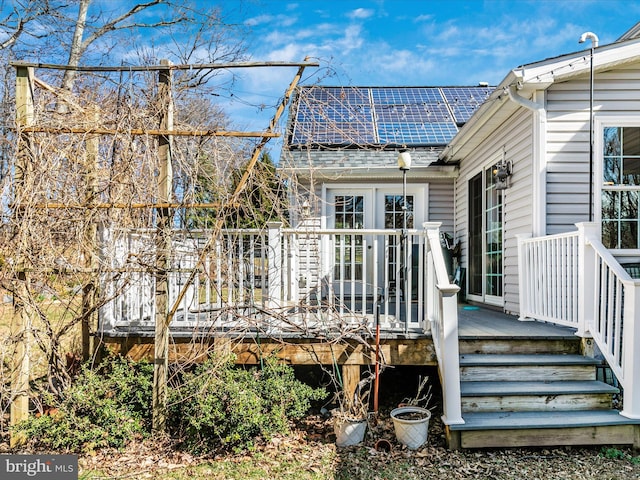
(600, 122)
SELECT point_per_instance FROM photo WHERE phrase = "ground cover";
(309, 453)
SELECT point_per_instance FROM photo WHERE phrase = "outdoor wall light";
(501, 173)
(404, 159)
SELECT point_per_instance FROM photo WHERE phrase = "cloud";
(423, 18)
(259, 20)
(360, 14)
(273, 21)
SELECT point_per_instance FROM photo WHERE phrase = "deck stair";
(535, 391)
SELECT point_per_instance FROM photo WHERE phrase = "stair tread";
(484, 388)
(546, 419)
(488, 359)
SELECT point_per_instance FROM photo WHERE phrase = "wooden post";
(630, 352)
(587, 288)
(20, 323)
(163, 254)
(89, 246)
(350, 379)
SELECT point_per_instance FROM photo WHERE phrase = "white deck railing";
(343, 272)
(549, 279)
(602, 300)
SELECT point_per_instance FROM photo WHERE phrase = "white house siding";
(516, 137)
(440, 203)
(615, 92)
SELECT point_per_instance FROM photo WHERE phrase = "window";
(621, 187)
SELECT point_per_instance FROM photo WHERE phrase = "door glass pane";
(475, 235)
(493, 236)
(349, 214)
(394, 220)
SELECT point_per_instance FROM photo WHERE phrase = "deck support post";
(454, 440)
(21, 321)
(350, 379)
(163, 255)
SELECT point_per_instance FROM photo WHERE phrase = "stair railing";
(612, 313)
(442, 311)
(572, 279)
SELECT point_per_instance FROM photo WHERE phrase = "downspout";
(524, 102)
(539, 163)
(538, 170)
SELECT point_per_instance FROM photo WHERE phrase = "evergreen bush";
(105, 407)
(220, 405)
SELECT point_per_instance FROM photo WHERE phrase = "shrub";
(219, 405)
(106, 407)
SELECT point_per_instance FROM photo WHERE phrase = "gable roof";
(633, 32)
(383, 117)
(526, 79)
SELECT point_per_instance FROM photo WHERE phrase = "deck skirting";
(249, 350)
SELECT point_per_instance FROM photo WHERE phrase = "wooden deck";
(478, 322)
(345, 344)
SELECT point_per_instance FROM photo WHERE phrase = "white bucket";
(349, 432)
(411, 432)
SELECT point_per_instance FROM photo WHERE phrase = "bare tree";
(43, 224)
(17, 18)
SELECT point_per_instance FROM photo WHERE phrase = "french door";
(372, 208)
(485, 276)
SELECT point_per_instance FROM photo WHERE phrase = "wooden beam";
(549, 437)
(150, 132)
(80, 206)
(405, 352)
(162, 66)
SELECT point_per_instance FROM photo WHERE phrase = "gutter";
(512, 91)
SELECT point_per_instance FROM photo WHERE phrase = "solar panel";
(416, 133)
(465, 100)
(383, 115)
(423, 113)
(337, 116)
(405, 95)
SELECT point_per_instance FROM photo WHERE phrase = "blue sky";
(390, 42)
(410, 42)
